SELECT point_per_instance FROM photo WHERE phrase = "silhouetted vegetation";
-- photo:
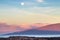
(28, 38)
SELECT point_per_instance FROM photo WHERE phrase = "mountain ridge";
(35, 32)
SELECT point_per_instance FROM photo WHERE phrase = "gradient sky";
(29, 11)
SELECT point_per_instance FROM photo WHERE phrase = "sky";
(29, 11)
(25, 13)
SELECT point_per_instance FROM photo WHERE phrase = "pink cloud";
(6, 28)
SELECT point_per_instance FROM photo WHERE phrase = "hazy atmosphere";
(19, 15)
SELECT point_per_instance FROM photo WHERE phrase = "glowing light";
(22, 3)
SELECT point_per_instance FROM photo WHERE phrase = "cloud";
(40, 0)
(7, 28)
(41, 10)
(43, 14)
(29, 15)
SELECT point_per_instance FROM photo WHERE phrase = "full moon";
(22, 3)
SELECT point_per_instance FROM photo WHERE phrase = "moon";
(22, 3)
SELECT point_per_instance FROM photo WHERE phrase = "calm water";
(32, 36)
